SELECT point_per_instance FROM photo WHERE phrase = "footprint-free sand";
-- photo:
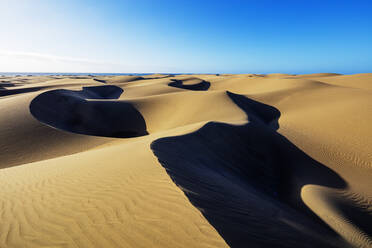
(231, 160)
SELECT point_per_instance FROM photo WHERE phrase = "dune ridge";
(244, 174)
(225, 160)
(190, 84)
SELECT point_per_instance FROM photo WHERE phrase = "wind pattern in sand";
(186, 161)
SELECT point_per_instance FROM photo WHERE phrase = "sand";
(226, 160)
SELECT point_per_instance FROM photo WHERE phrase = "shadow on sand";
(89, 111)
(246, 180)
(9, 92)
(196, 84)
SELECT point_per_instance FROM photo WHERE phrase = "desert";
(186, 160)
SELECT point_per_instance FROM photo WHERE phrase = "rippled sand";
(186, 161)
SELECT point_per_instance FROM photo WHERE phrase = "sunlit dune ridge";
(226, 160)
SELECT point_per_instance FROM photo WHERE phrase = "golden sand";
(186, 161)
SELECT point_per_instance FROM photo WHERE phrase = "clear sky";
(203, 36)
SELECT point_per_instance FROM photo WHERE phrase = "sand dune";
(224, 160)
(86, 112)
(190, 84)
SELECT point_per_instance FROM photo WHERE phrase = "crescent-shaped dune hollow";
(226, 160)
(87, 112)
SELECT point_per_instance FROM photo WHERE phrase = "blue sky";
(232, 36)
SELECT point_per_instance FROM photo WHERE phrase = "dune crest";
(190, 84)
(247, 174)
(225, 160)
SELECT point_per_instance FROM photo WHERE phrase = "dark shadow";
(361, 215)
(257, 112)
(88, 91)
(100, 92)
(99, 80)
(84, 112)
(8, 92)
(197, 84)
(246, 180)
(7, 84)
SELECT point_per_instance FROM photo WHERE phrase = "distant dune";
(227, 160)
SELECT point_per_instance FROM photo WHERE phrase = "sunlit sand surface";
(245, 160)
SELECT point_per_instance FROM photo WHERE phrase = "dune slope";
(252, 160)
